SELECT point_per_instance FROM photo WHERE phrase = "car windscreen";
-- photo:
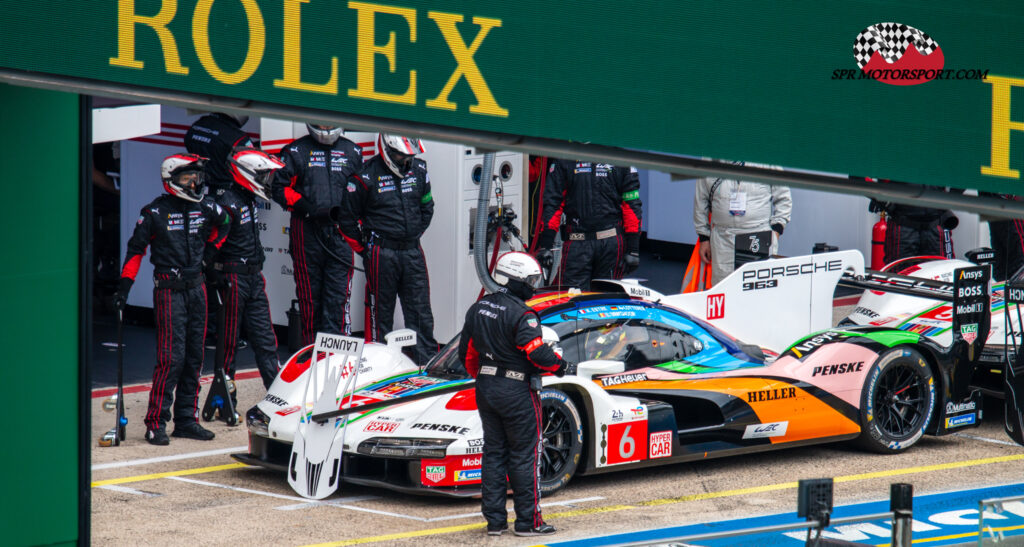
(446, 362)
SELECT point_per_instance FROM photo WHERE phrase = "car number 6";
(626, 440)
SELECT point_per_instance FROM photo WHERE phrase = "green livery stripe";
(890, 338)
(684, 367)
(629, 196)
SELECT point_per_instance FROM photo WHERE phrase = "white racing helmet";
(517, 266)
(398, 151)
(252, 169)
(183, 176)
(324, 134)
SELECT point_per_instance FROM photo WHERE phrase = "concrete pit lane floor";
(193, 493)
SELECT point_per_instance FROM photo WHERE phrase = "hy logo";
(897, 54)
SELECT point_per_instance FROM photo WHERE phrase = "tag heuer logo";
(969, 332)
(435, 473)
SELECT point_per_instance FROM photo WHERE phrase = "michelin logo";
(960, 421)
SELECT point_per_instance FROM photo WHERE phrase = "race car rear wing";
(901, 284)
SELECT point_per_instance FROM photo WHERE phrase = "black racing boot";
(157, 436)
(496, 529)
(192, 430)
(543, 530)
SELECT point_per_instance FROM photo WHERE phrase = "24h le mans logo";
(898, 54)
(970, 332)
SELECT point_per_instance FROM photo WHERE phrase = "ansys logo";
(898, 54)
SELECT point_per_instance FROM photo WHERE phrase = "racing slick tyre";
(897, 402)
(561, 440)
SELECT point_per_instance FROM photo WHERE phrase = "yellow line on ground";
(691, 497)
(958, 536)
(927, 468)
(183, 472)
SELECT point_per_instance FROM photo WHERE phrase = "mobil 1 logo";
(971, 307)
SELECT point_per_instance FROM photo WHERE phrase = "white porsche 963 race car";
(660, 379)
(934, 318)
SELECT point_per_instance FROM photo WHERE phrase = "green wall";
(39, 303)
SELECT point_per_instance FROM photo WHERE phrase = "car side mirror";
(588, 369)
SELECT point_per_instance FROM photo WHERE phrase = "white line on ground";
(986, 439)
(189, 455)
(126, 490)
(273, 495)
(569, 503)
(342, 503)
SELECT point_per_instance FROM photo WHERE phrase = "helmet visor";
(190, 181)
(534, 280)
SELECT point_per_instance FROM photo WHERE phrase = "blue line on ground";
(942, 519)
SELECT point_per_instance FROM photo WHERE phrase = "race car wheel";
(897, 403)
(561, 440)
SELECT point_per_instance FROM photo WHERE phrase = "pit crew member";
(238, 268)
(603, 211)
(185, 230)
(502, 347)
(389, 207)
(312, 186)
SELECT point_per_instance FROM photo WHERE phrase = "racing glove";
(303, 207)
(327, 215)
(546, 258)
(121, 296)
(214, 277)
(546, 240)
(563, 369)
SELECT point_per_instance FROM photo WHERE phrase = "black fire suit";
(386, 217)
(911, 230)
(602, 208)
(183, 234)
(215, 136)
(502, 348)
(240, 262)
(310, 184)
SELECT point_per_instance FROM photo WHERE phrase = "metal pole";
(901, 503)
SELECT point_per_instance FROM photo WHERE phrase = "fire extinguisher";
(878, 243)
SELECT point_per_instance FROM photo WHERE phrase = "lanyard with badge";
(737, 201)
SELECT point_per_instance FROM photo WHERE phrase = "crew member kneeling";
(502, 348)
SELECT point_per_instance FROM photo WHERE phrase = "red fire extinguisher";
(878, 244)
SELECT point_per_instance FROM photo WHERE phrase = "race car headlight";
(257, 422)
(405, 448)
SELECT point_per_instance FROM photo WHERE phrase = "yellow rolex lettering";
(1001, 126)
(367, 50)
(126, 21)
(466, 65)
(253, 56)
(291, 75)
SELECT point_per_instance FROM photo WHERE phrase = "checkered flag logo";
(892, 41)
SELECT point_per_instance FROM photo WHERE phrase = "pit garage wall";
(39, 292)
